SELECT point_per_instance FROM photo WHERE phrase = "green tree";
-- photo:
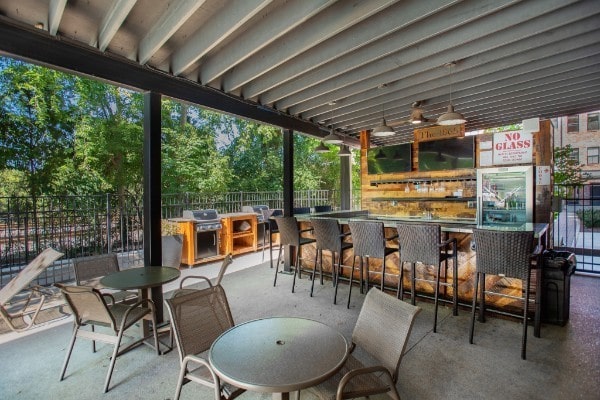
(568, 173)
(36, 124)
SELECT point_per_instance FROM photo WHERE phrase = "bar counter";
(461, 229)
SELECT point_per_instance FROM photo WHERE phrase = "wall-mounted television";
(447, 154)
(397, 158)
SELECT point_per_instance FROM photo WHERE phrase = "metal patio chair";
(90, 308)
(32, 305)
(382, 331)
(198, 317)
(89, 270)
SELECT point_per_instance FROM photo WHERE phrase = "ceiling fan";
(416, 116)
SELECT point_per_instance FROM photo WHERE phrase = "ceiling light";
(451, 117)
(332, 138)
(321, 148)
(382, 130)
(344, 152)
(417, 120)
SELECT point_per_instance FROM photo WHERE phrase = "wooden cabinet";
(239, 233)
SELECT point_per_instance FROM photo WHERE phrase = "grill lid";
(208, 215)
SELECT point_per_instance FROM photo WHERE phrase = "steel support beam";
(288, 187)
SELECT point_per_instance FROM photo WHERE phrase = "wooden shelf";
(234, 240)
(463, 178)
(407, 199)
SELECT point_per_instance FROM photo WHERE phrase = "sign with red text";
(513, 147)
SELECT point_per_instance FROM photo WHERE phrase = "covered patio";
(562, 364)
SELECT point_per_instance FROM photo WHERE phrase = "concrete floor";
(563, 364)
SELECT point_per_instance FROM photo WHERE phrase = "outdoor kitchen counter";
(459, 229)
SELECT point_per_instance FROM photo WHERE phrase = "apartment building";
(582, 132)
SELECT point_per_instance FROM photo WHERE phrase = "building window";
(573, 123)
(593, 153)
(592, 122)
(575, 155)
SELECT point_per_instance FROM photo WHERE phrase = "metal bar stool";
(369, 241)
(290, 235)
(330, 237)
(422, 243)
(508, 255)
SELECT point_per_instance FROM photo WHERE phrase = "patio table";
(278, 355)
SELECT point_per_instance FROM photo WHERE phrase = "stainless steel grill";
(207, 225)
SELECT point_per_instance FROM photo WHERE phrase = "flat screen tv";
(397, 158)
(447, 154)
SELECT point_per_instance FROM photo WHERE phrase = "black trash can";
(556, 286)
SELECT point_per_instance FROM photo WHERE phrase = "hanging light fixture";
(344, 151)
(382, 129)
(332, 138)
(450, 117)
(321, 148)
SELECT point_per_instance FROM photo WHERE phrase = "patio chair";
(31, 307)
(507, 255)
(381, 332)
(198, 317)
(329, 236)
(291, 235)
(183, 290)
(89, 307)
(89, 270)
(422, 243)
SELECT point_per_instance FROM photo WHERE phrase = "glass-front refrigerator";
(505, 195)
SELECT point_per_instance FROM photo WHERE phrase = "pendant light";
(344, 151)
(332, 138)
(321, 148)
(450, 117)
(382, 129)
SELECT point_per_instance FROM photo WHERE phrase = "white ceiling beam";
(333, 20)
(448, 26)
(55, 12)
(280, 21)
(177, 14)
(218, 28)
(392, 20)
(481, 51)
(112, 21)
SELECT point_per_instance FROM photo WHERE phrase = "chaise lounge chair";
(32, 307)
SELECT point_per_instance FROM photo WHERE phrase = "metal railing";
(83, 225)
(579, 206)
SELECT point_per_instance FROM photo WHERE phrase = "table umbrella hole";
(280, 342)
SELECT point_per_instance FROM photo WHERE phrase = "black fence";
(84, 225)
(577, 224)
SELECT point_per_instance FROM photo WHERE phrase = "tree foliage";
(62, 134)
(567, 170)
(37, 122)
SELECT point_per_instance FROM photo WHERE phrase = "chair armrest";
(362, 371)
(534, 258)
(110, 296)
(194, 359)
(194, 277)
(133, 307)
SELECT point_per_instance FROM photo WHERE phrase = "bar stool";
(422, 243)
(269, 215)
(330, 237)
(508, 255)
(369, 241)
(290, 235)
